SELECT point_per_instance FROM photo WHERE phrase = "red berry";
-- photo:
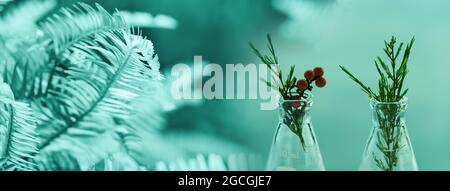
(321, 82)
(302, 85)
(296, 104)
(318, 72)
(309, 75)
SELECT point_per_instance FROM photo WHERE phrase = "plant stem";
(388, 137)
(294, 118)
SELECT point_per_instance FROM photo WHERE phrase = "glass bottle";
(389, 147)
(295, 146)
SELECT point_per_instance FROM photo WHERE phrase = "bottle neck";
(388, 115)
(294, 109)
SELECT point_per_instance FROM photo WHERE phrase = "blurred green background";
(311, 33)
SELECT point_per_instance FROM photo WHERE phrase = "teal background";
(329, 33)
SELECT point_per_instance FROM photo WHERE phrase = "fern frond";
(26, 69)
(58, 161)
(18, 138)
(147, 115)
(52, 49)
(36, 59)
(101, 80)
(26, 64)
(70, 26)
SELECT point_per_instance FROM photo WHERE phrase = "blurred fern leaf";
(86, 77)
(61, 160)
(18, 139)
(27, 13)
(99, 86)
(214, 162)
(70, 26)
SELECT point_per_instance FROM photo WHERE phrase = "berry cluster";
(289, 88)
(311, 76)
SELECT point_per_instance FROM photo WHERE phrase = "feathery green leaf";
(18, 139)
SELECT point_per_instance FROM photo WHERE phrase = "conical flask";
(389, 147)
(295, 146)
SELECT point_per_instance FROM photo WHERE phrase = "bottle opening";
(400, 105)
(306, 100)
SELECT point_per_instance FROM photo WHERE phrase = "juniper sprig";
(291, 87)
(390, 83)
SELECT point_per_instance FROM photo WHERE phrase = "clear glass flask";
(389, 147)
(295, 146)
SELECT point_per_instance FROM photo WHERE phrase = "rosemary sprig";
(271, 61)
(390, 89)
(390, 83)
